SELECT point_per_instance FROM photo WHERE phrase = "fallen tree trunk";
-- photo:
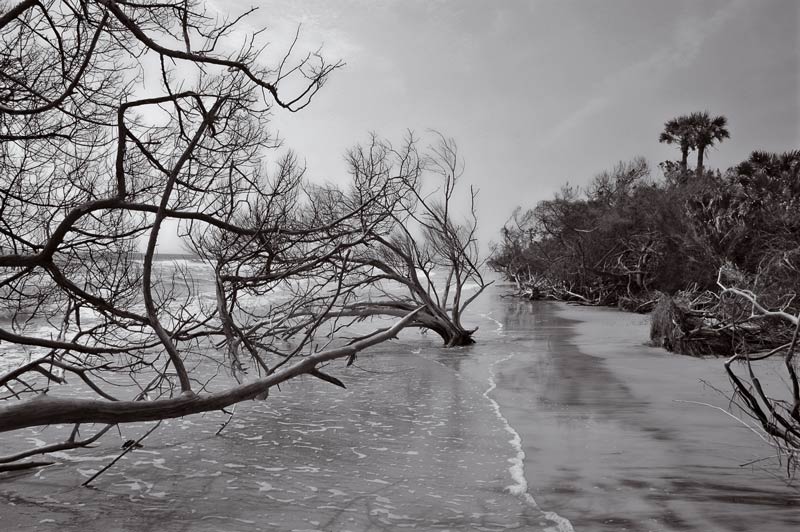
(451, 333)
(46, 410)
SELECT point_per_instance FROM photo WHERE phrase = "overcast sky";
(537, 93)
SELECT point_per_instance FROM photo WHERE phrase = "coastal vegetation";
(715, 255)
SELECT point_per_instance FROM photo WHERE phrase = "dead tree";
(113, 133)
(419, 255)
(778, 414)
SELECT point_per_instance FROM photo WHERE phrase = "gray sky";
(537, 93)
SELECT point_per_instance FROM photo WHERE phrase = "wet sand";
(613, 437)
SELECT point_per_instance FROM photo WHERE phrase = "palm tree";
(779, 172)
(705, 132)
(679, 131)
(771, 164)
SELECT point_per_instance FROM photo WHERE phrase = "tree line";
(628, 235)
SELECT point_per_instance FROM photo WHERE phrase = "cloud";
(688, 41)
(319, 24)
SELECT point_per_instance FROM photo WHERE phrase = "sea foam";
(517, 468)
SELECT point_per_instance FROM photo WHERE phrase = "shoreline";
(612, 439)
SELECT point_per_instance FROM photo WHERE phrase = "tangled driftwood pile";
(703, 324)
(680, 329)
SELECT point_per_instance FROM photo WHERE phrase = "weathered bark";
(22, 466)
(452, 334)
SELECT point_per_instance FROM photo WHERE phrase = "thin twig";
(230, 417)
(123, 453)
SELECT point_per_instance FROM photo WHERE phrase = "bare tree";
(420, 255)
(122, 121)
(778, 413)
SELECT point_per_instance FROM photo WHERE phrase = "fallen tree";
(710, 324)
(46, 410)
(776, 412)
(101, 157)
(681, 324)
(419, 256)
(735, 324)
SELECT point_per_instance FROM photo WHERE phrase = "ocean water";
(558, 419)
